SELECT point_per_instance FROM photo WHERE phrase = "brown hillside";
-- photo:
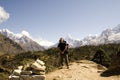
(8, 46)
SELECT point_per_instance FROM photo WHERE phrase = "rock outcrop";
(34, 71)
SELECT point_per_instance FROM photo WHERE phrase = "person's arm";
(64, 50)
(59, 48)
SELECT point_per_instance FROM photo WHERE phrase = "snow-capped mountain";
(73, 42)
(111, 35)
(43, 42)
(9, 46)
(23, 39)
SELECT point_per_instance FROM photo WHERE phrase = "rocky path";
(81, 70)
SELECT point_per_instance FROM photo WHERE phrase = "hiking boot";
(67, 67)
(61, 67)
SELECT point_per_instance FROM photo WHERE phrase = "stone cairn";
(34, 71)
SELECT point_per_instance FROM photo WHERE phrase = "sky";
(52, 19)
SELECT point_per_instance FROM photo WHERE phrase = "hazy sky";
(52, 19)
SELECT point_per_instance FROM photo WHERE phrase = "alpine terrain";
(23, 40)
(9, 46)
(111, 35)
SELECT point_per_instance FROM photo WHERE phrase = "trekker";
(63, 47)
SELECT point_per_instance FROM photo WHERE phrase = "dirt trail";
(81, 70)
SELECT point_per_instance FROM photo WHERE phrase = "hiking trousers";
(64, 57)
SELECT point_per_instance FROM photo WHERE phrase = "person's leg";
(61, 60)
(67, 60)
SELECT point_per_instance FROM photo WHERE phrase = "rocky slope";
(23, 40)
(8, 46)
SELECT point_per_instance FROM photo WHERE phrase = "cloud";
(3, 15)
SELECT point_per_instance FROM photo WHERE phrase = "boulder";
(37, 66)
(33, 77)
(20, 67)
(40, 62)
(26, 72)
(38, 72)
(13, 77)
(34, 71)
(17, 72)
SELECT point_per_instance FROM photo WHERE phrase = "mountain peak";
(110, 35)
(23, 39)
(25, 33)
(116, 29)
(6, 31)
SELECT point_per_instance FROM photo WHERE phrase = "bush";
(51, 57)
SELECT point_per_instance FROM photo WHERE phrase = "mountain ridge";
(110, 35)
(23, 40)
(9, 46)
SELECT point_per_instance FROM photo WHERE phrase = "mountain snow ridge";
(111, 35)
(72, 42)
(23, 39)
(16, 37)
